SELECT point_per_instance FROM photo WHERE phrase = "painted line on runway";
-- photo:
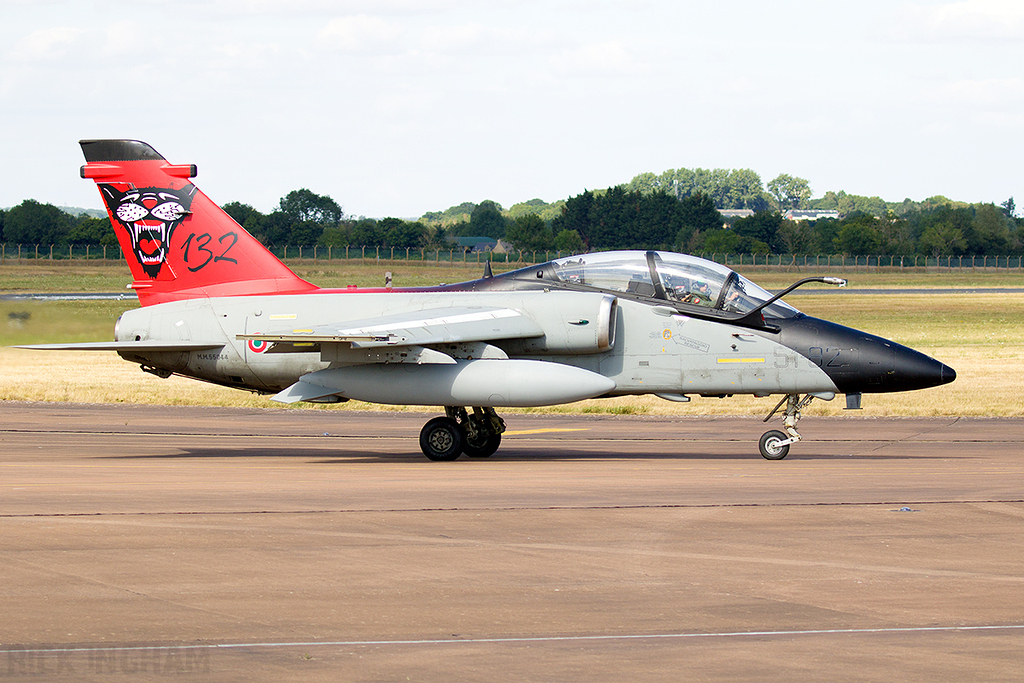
(522, 432)
(499, 508)
(525, 639)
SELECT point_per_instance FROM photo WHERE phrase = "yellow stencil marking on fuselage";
(741, 360)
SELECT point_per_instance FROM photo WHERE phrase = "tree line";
(943, 230)
(654, 213)
(743, 189)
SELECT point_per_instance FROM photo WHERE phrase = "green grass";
(59, 322)
(84, 276)
(776, 279)
(91, 276)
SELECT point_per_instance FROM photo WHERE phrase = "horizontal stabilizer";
(146, 345)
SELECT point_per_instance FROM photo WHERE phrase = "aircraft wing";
(145, 345)
(415, 328)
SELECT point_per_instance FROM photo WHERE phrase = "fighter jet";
(217, 306)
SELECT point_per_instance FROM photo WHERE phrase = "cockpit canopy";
(673, 277)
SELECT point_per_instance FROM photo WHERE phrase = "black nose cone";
(858, 362)
(947, 375)
(914, 370)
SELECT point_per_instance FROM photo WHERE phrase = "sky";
(399, 107)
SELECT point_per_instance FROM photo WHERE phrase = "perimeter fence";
(48, 253)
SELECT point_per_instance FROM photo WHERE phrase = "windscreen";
(680, 278)
(743, 296)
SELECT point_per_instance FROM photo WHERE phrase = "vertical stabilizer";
(178, 243)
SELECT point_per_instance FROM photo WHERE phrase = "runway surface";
(156, 543)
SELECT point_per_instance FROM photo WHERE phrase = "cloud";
(1009, 120)
(597, 59)
(456, 38)
(46, 45)
(478, 39)
(976, 20)
(360, 33)
(316, 8)
(985, 92)
(125, 38)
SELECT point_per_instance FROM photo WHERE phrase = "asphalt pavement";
(158, 543)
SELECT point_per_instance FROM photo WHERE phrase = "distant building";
(503, 247)
(810, 214)
(474, 244)
(736, 213)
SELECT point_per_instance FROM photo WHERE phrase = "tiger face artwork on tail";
(149, 215)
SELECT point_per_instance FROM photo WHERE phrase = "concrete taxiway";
(141, 543)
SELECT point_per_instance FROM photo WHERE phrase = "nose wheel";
(478, 435)
(774, 445)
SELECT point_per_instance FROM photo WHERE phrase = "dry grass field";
(977, 334)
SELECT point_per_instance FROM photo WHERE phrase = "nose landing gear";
(477, 435)
(774, 445)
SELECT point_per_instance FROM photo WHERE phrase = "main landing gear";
(477, 435)
(774, 445)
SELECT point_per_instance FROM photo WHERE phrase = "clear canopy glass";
(669, 276)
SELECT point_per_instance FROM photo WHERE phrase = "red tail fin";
(178, 243)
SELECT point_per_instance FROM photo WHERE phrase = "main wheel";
(441, 439)
(770, 445)
(487, 448)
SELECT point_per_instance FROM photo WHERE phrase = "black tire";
(484, 450)
(769, 445)
(441, 439)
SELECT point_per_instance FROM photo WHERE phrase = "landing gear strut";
(478, 435)
(774, 445)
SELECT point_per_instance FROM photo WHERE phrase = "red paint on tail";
(178, 243)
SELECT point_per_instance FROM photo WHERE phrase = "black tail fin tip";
(118, 150)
